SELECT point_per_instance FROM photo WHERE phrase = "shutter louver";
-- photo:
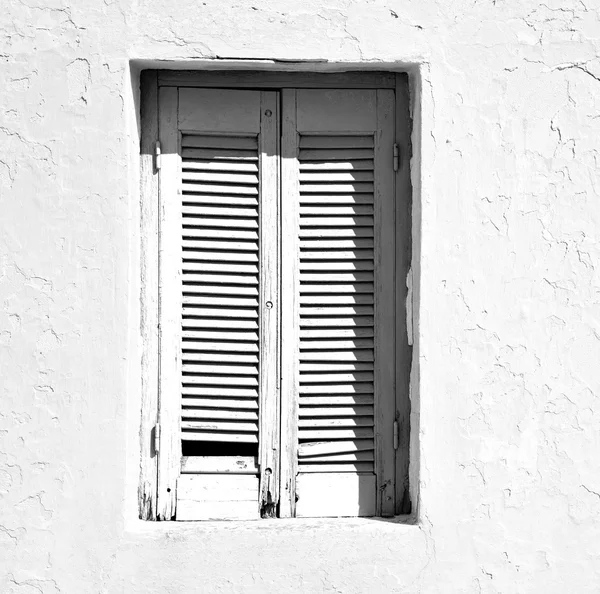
(220, 278)
(336, 362)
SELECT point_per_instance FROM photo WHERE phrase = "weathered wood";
(403, 200)
(147, 489)
(289, 304)
(219, 465)
(277, 80)
(217, 497)
(170, 304)
(334, 447)
(385, 261)
(330, 467)
(269, 304)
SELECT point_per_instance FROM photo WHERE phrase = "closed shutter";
(224, 353)
(342, 266)
(277, 303)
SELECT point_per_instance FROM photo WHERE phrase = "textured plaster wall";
(507, 421)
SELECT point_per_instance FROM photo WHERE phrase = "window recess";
(282, 342)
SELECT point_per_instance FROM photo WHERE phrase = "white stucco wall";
(506, 412)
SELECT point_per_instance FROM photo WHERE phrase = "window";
(282, 258)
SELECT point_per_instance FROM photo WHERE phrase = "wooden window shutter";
(219, 308)
(338, 328)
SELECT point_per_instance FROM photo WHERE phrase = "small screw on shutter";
(396, 157)
(395, 435)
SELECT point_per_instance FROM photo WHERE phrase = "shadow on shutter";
(336, 446)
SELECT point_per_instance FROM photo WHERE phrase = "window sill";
(276, 524)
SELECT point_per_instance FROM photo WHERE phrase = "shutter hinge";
(157, 437)
(396, 157)
(157, 155)
(395, 435)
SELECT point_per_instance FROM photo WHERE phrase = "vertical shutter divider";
(269, 305)
(289, 304)
(169, 304)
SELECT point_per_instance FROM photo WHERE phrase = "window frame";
(153, 80)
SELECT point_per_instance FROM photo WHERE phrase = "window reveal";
(277, 303)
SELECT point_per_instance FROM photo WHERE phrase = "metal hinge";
(396, 157)
(395, 435)
(157, 155)
(157, 437)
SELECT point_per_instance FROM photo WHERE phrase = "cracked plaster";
(507, 422)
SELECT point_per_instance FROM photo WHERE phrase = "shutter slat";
(337, 188)
(335, 411)
(330, 176)
(197, 210)
(333, 276)
(198, 367)
(337, 142)
(219, 154)
(194, 224)
(320, 210)
(334, 447)
(246, 404)
(357, 164)
(222, 278)
(332, 199)
(238, 381)
(336, 221)
(336, 315)
(228, 166)
(336, 321)
(216, 413)
(219, 312)
(203, 188)
(215, 265)
(202, 300)
(359, 456)
(220, 436)
(215, 200)
(316, 154)
(226, 324)
(355, 467)
(333, 434)
(217, 425)
(342, 422)
(220, 289)
(231, 347)
(350, 355)
(202, 289)
(219, 392)
(220, 177)
(225, 246)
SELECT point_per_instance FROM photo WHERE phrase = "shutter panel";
(341, 365)
(220, 280)
(223, 353)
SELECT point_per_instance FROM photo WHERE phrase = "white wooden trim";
(269, 303)
(289, 305)
(149, 295)
(169, 305)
